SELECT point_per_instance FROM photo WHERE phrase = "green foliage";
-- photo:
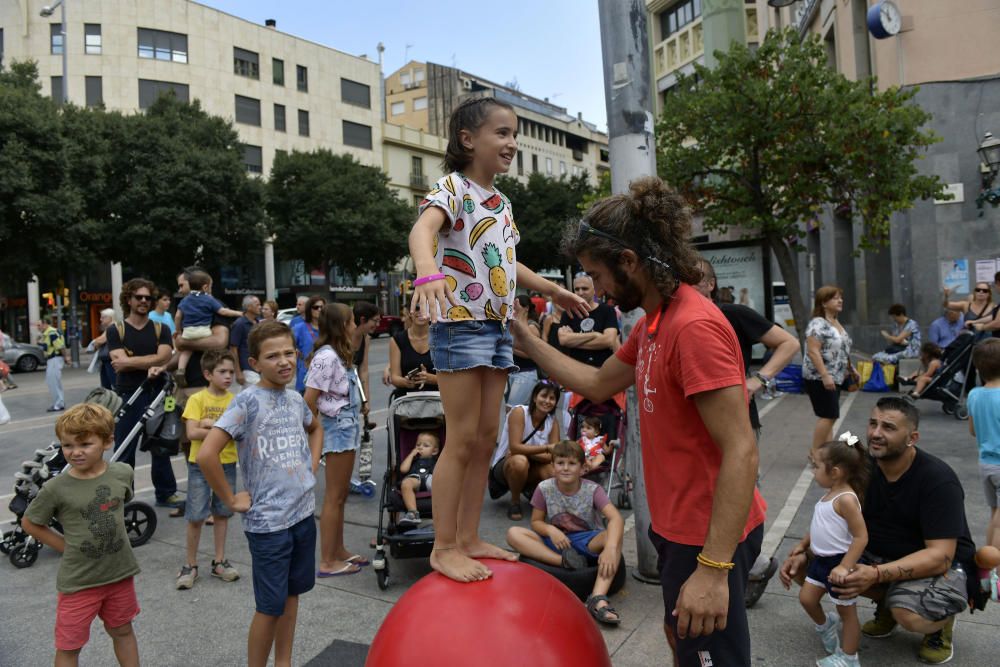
(602, 190)
(331, 208)
(767, 139)
(541, 208)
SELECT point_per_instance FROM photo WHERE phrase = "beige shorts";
(194, 333)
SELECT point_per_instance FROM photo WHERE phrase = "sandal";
(514, 512)
(603, 614)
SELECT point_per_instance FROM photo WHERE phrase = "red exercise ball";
(519, 616)
(988, 557)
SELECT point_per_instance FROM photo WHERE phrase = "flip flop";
(342, 572)
(359, 560)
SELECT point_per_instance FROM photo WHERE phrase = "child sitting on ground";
(984, 423)
(595, 444)
(930, 362)
(418, 466)
(278, 443)
(203, 409)
(194, 317)
(97, 567)
(566, 527)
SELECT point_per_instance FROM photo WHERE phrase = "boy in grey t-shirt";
(278, 444)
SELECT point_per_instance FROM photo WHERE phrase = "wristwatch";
(765, 381)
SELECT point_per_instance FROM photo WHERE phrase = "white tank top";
(540, 437)
(828, 533)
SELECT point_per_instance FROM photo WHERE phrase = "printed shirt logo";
(587, 325)
(100, 513)
(642, 371)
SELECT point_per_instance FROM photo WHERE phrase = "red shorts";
(115, 603)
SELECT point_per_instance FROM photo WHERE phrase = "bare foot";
(454, 564)
(481, 549)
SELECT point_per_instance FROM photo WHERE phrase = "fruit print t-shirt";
(475, 248)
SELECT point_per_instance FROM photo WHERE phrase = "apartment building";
(283, 92)
(551, 141)
(412, 159)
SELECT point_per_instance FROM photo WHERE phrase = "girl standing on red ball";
(467, 275)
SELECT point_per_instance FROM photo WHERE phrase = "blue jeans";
(53, 378)
(162, 473)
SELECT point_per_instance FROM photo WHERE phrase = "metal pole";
(269, 282)
(73, 330)
(34, 309)
(116, 289)
(627, 89)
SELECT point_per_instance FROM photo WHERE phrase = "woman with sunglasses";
(974, 308)
(305, 334)
(523, 455)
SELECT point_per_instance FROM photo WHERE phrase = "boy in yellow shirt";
(200, 414)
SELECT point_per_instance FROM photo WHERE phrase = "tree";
(542, 207)
(769, 137)
(331, 208)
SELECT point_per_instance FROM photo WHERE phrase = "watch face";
(891, 19)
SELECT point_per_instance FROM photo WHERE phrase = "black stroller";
(140, 517)
(408, 416)
(955, 378)
(609, 474)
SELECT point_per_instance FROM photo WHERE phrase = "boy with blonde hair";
(97, 570)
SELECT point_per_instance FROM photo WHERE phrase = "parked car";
(22, 356)
(285, 315)
(388, 324)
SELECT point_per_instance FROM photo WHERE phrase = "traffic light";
(49, 299)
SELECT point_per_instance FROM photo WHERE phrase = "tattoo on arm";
(905, 573)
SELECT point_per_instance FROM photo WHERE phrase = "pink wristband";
(428, 279)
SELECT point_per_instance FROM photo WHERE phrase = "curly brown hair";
(653, 222)
(130, 288)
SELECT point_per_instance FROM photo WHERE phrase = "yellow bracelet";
(708, 562)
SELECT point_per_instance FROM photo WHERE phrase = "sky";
(551, 48)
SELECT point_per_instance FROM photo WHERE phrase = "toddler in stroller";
(608, 417)
(418, 467)
(954, 379)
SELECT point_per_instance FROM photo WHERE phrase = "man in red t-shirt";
(686, 363)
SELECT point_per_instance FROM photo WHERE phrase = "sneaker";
(756, 585)
(881, 625)
(411, 518)
(839, 659)
(174, 500)
(188, 575)
(223, 570)
(55, 408)
(937, 647)
(573, 559)
(829, 634)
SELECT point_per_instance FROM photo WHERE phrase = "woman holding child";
(523, 455)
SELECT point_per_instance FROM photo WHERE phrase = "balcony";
(418, 181)
(688, 44)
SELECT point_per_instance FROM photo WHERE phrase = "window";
(246, 63)
(404, 78)
(303, 123)
(57, 90)
(562, 168)
(680, 15)
(418, 76)
(1, 47)
(279, 117)
(278, 71)
(534, 162)
(417, 199)
(163, 45)
(416, 165)
(302, 78)
(520, 163)
(95, 91)
(358, 94)
(358, 135)
(419, 103)
(92, 39)
(398, 108)
(253, 159)
(150, 90)
(548, 166)
(55, 39)
(247, 110)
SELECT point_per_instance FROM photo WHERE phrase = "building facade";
(412, 159)
(939, 50)
(550, 140)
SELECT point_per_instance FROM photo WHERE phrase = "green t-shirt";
(92, 514)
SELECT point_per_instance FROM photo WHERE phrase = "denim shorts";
(284, 564)
(818, 574)
(340, 433)
(201, 501)
(467, 344)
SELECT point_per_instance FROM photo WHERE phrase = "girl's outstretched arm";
(433, 298)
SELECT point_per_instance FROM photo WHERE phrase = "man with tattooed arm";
(920, 552)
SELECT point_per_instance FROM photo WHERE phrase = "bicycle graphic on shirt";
(644, 368)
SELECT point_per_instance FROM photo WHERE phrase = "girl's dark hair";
(930, 350)
(594, 422)
(366, 310)
(469, 116)
(852, 459)
(308, 314)
(541, 386)
(651, 221)
(333, 320)
(528, 305)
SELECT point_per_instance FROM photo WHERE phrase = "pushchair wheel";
(140, 523)
(624, 502)
(6, 542)
(948, 408)
(24, 555)
(961, 412)
(383, 577)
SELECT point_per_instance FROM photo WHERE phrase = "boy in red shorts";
(97, 569)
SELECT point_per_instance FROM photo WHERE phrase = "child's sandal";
(603, 614)
(514, 512)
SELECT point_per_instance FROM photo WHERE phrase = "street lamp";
(46, 12)
(989, 156)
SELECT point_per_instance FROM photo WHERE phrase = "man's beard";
(627, 294)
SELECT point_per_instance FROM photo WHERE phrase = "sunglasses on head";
(585, 228)
(142, 297)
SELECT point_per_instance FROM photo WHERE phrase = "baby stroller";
(140, 517)
(408, 416)
(955, 378)
(610, 474)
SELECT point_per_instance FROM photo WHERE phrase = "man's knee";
(914, 622)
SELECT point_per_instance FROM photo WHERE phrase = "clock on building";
(884, 19)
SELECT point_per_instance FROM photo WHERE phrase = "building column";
(34, 311)
(270, 287)
(116, 289)
(722, 22)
